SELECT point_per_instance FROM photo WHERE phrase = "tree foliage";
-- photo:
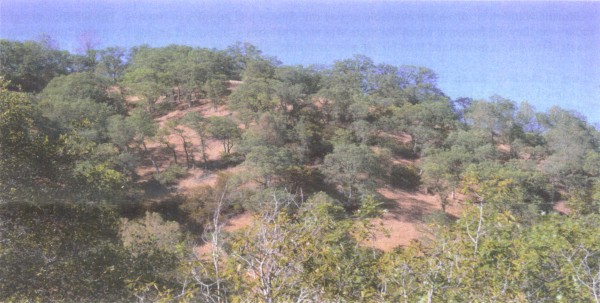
(353, 168)
(30, 65)
(91, 207)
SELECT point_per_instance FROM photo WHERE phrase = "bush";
(398, 149)
(150, 234)
(301, 178)
(170, 175)
(405, 177)
(61, 252)
(231, 159)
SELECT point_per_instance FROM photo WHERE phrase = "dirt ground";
(233, 224)
(164, 159)
(403, 221)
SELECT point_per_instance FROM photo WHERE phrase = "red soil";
(405, 217)
(164, 159)
(406, 211)
(562, 208)
(233, 224)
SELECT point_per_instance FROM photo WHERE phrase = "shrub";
(405, 177)
(170, 175)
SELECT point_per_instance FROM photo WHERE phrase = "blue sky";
(546, 53)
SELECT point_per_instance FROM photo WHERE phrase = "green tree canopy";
(31, 65)
(112, 63)
(353, 168)
(225, 130)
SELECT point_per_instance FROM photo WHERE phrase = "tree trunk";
(150, 156)
(350, 194)
(192, 158)
(444, 202)
(173, 151)
(227, 145)
(215, 103)
(414, 141)
(203, 150)
(188, 160)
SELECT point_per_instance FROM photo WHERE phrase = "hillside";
(406, 212)
(200, 175)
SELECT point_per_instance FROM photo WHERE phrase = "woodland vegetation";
(305, 151)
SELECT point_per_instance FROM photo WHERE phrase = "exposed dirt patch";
(203, 252)
(164, 158)
(406, 211)
(131, 100)
(234, 224)
(403, 138)
(503, 148)
(405, 216)
(233, 84)
(239, 222)
(562, 208)
(197, 177)
(406, 162)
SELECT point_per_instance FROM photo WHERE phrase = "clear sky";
(546, 53)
